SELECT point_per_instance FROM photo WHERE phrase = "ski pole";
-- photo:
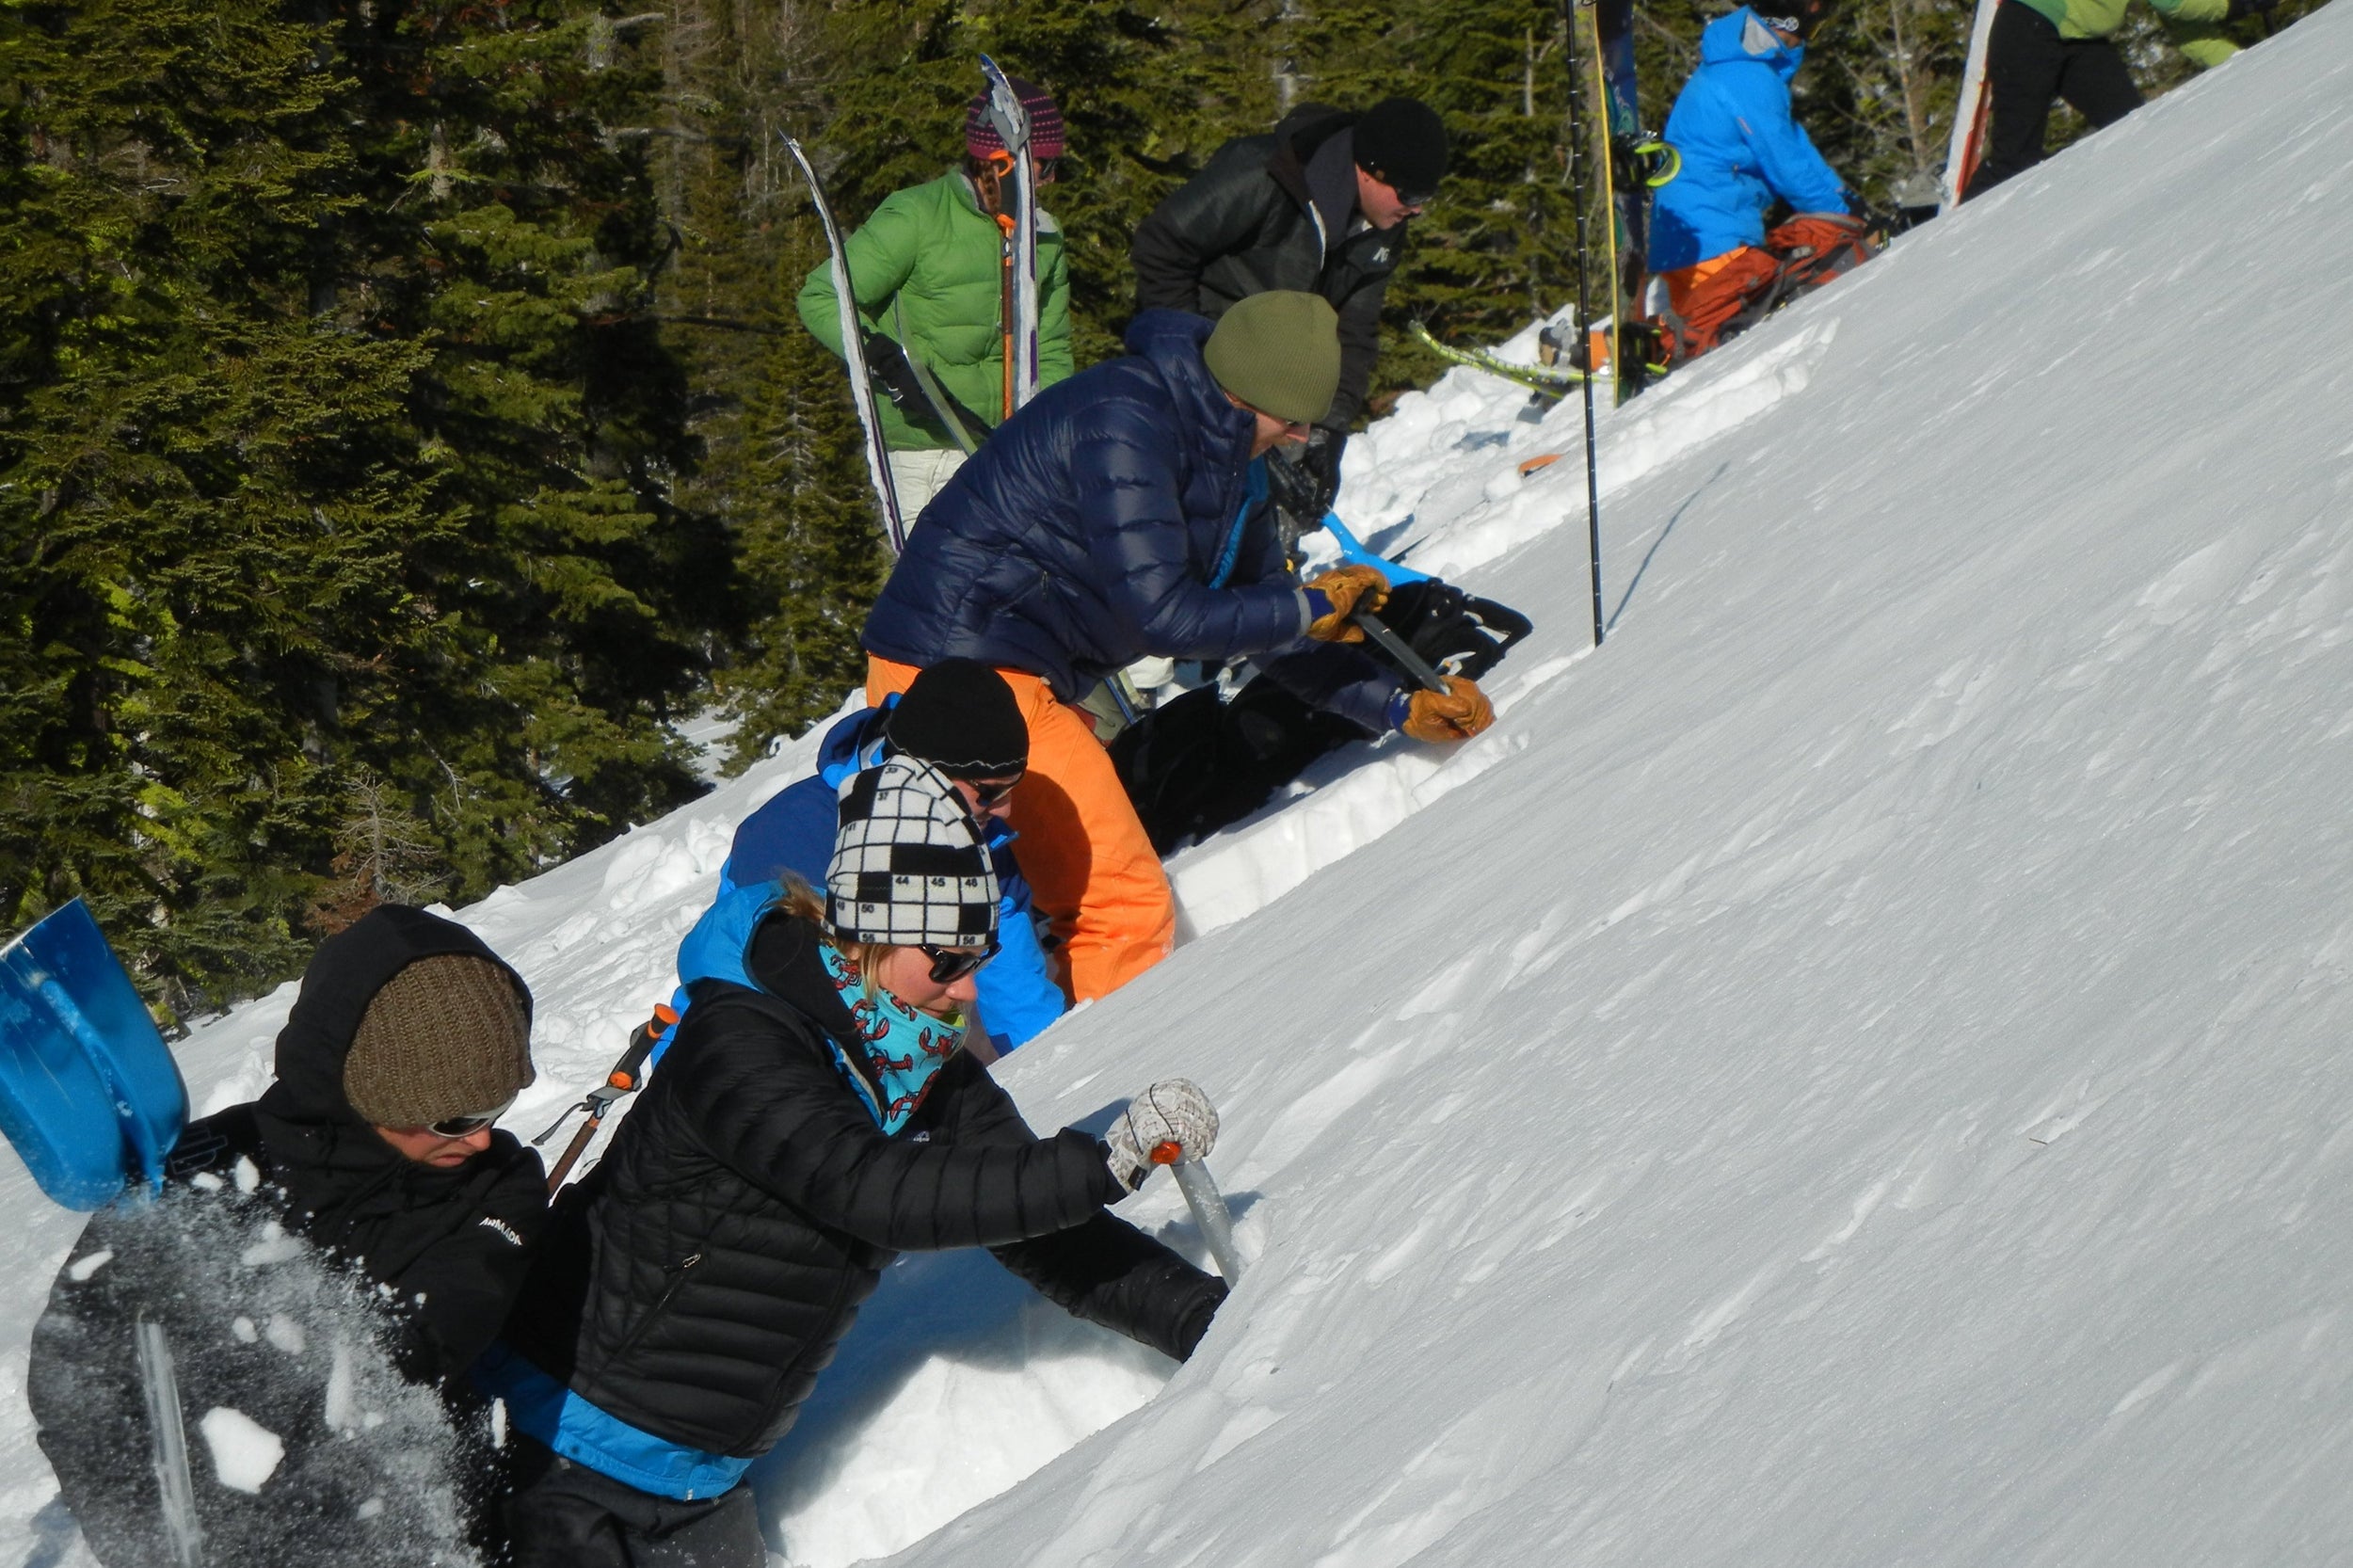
(1400, 650)
(1581, 147)
(1208, 1205)
(624, 1079)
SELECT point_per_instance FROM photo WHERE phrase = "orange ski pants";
(1710, 293)
(1090, 866)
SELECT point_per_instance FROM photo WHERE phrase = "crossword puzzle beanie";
(908, 867)
(961, 717)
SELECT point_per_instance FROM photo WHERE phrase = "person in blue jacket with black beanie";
(960, 718)
(1743, 150)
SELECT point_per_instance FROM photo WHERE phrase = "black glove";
(887, 364)
(1319, 460)
(2249, 7)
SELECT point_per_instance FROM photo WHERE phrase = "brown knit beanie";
(1278, 351)
(449, 1036)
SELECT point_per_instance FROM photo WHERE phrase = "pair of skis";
(1019, 310)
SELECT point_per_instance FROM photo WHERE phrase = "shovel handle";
(1398, 649)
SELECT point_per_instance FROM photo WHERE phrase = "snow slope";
(1850, 1073)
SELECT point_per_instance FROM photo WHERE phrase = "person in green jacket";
(928, 269)
(2046, 49)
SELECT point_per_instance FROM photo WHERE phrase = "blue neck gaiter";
(902, 1046)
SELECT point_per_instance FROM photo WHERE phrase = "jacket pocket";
(677, 1273)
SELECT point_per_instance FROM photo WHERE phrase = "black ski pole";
(1578, 145)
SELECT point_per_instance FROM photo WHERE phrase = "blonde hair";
(803, 901)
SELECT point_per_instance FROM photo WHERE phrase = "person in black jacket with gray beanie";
(325, 1261)
(813, 1116)
(1318, 204)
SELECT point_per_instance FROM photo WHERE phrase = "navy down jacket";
(1087, 533)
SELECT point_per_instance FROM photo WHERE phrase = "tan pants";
(918, 476)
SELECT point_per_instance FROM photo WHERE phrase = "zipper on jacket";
(661, 1303)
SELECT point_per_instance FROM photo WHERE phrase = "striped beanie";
(908, 867)
(1046, 132)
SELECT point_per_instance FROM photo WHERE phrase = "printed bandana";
(902, 1046)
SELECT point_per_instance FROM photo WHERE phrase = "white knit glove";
(1173, 1111)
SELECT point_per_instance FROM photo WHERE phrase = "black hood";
(345, 975)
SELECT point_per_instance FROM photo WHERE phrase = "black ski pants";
(566, 1515)
(2026, 65)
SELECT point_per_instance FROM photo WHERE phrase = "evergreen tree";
(334, 450)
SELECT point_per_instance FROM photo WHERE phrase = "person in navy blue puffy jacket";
(1122, 513)
(1742, 151)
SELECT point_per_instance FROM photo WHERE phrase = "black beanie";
(1401, 143)
(960, 716)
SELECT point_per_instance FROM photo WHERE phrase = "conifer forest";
(404, 424)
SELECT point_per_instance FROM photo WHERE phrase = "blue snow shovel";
(88, 1093)
(93, 1101)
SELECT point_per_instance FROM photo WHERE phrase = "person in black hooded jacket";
(814, 1115)
(374, 1146)
(1317, 204)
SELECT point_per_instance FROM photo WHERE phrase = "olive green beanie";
(448, 1036)
(1279, 352)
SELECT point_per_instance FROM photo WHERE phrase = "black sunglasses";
(950, 965)
(1407, 198)
(466, 1126)
(990, 793)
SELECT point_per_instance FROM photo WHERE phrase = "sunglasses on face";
(950, 965)
(986, 793)
(466, 1126)
(1290, 426)
(1405, 198)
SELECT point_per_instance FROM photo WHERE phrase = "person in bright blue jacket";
(1742, 151)
(1122, 513)
(959, 716)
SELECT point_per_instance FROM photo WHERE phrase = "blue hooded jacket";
(1740, 147)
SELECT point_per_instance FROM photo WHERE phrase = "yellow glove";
(1345, 590)
(1457, 714)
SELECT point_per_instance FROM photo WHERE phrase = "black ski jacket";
(698, 1279)
(1276, 211)
(446, 1249)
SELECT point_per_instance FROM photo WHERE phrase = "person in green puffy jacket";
(2046, 49)
(928, 268)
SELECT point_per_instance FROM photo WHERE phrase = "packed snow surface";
(1852, 1072)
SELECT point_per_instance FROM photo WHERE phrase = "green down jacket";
(2195, 25)
(933, 254)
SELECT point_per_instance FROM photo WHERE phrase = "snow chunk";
(245, 1452)
(286, 1334)
(243, 1329)
(85, 1267)
(275, 1246)
(249, 1174)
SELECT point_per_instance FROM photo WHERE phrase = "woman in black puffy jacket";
(812, 1116)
